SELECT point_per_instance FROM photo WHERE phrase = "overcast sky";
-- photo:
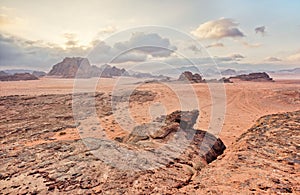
(37, 34)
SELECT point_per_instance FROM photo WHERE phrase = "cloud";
(194, 48)
(138, 48)
(294, 57)
(251, 45)
(150, 44)
(261, 30)
(71, 39)
(107, 30)
(232, 57)
(237, 56)
(218, 29)
(4, 20)
(215, 45)
(20, 52)
(272, 59)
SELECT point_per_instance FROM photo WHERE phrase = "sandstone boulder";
(189, 76)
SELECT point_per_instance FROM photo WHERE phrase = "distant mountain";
(39, 73)
(2, 73)
(256, 76)
(17, 77)
(81, 68)
(293, 71)
(228, 72)
(13, 71)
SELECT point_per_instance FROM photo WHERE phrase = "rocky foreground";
(264, 160)
(41, 152)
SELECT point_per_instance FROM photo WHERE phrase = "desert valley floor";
(42, 152)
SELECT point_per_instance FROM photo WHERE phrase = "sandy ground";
(245, 101)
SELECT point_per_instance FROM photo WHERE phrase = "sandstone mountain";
(81, 68)
(189, 76)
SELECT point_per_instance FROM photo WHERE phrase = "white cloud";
(71, 39)
(218, 29)
(150, 44)
(294, 57)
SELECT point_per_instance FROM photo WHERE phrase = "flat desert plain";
(244, 102)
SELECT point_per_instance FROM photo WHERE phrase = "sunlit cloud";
(272, 59)
(251, 45)
(218, 29)
(294, 57)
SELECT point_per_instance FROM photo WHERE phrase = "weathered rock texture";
(264, 160)
(37, 156)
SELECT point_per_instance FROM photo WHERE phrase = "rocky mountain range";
(81, 67)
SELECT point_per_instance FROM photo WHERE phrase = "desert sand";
(245, 101)
(43, 151)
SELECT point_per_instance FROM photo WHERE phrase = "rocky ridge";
(18, 77)
(81, 68)
(259, 76)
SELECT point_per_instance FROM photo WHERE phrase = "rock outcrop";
(45, 156)
(81, 68)
(18, 77)
(190, 77)
(264, 160)
(260, 76)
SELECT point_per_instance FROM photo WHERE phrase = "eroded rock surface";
(37, 157)
(264, 160)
